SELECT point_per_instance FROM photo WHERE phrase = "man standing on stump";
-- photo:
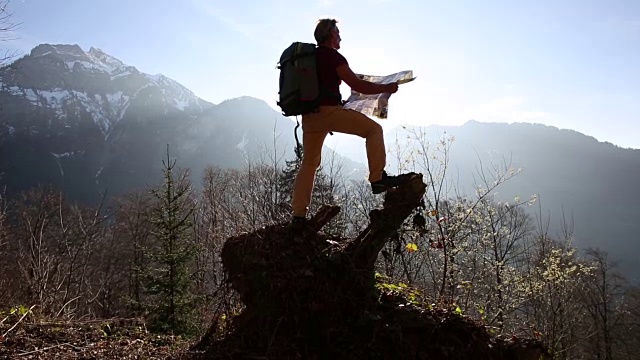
(332, 69)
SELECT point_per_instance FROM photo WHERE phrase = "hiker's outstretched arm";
(362, 86)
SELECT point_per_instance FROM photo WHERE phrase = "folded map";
(378, 104)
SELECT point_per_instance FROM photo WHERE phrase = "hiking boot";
(298, 222)
(389, 182)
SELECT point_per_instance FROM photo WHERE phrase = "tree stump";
(310, 296)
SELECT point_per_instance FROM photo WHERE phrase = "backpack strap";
(298, 146)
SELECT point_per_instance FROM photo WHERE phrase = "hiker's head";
(327, 33)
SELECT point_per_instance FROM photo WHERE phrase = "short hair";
(323, 30)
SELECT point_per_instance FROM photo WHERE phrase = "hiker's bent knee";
(375, 128)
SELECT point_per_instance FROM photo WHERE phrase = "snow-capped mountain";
(87, 122)
(57, 77)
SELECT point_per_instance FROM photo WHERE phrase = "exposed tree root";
(311, 296)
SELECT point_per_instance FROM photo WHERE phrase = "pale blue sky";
(568, 63)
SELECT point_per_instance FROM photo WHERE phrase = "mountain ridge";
(86, 120)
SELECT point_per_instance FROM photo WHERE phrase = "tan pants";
(315, 128)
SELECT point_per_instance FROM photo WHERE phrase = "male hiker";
(332, 68)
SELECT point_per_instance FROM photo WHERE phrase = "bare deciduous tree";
(4, 237)
(133, 228)
(551, 289)
(604, 300)
(7, 26)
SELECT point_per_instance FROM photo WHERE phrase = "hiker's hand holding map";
(376, 105)
(393, 88)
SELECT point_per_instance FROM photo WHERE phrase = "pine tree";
(168, 279)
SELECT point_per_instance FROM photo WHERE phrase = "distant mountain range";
(87, 122)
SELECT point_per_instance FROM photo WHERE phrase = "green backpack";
(299, 92)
